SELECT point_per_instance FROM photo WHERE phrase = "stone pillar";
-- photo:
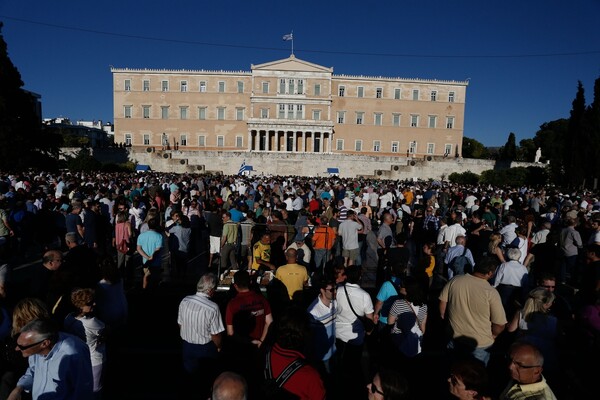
(250, 140)
(294, 144)
(313, 134)
(277, 143)
(329, 141)
(303, 138)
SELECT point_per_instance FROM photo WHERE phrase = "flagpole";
(292, 42)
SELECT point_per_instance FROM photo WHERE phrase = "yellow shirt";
(262, 252)
(293, 276)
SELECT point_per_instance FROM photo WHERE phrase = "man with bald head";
(293, 275)
(229, 386)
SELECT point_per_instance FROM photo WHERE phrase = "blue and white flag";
(289, 36)
(243, 168)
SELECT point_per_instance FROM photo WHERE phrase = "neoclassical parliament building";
(287, 106)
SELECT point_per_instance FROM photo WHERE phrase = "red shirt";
(305, 383)
(246, 312)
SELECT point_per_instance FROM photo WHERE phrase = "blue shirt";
(63, 374)
(386, 291)
(150, 241)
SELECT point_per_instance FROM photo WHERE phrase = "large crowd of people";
(309, 287)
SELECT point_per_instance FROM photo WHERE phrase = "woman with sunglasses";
(469, 380)
(388, 384)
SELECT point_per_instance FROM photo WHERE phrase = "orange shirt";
(323, 237)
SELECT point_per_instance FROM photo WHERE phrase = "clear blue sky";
(523, 58)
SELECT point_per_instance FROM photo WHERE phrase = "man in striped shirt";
(322, 311)
(201, 328)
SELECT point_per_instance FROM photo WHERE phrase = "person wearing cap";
(304, 252)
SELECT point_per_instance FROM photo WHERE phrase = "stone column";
(295, 137)
(329, 142)
(249, 140)
(277, 143)
(303, 138)
(313, 134)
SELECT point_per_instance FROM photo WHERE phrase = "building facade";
(287, 106)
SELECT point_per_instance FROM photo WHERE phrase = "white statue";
(538, 155)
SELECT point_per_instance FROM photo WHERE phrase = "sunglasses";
(28, 346)
(520, 365)
(375, 389)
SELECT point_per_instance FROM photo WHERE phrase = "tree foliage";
(509, 151)
(464, 178)
(23, 143)
(471, 148)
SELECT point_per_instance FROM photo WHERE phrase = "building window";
(290, 113)
(202, 113)
(221, 113)
(379, 93)
(221, 87)
(451, 97)
(341, 115)
(449, 122)
(127, 85)
(201, 141)
(240, 87)
(339, 144)
(264, 113)
(183, 140)
(183, 86)
(447, 150)
(127, 111)
(299, 111)
(300, 86)
(414, 121)
(281, 111)
(146, 112)
(164, 86)
(397, 94)
(128, 139)
(316, 115)
(378, 118)
(317, 89)
(432, 121)
(360, 91)
(434, 95)
(164, 112)
(282, 86)
(415, 94)
(341, 91)
(359, 118)
(183, 112)
(430, 148)
(396, 119)
(220, 141)
(376, 145)
(265, 87)
(146, 85)
(395, 146)
(239, 141)
(358, 145)
(146, 139)
(290, 86)
(202, 86)
(412, 147)
(239, 114)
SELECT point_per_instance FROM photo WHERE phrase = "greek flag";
(243, 168)
(289, 36)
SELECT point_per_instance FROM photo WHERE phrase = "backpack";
(273, 387)
(461, 265)
(514, 244)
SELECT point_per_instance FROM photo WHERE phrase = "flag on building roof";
(289, 36)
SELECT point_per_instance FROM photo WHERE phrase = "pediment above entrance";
(291, 64)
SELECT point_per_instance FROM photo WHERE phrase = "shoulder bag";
(368, 323)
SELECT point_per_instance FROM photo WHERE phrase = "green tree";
(593, 124)
(526, 150)
(471, 148)
(22, 142)
(575, 152)
(509, 151)
(551, 138)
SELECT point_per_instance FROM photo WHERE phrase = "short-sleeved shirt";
(293, 277)
(255, 308)
(472, 305)
(199, 318)
(260, 251)
(150, 241)
(387, 291)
